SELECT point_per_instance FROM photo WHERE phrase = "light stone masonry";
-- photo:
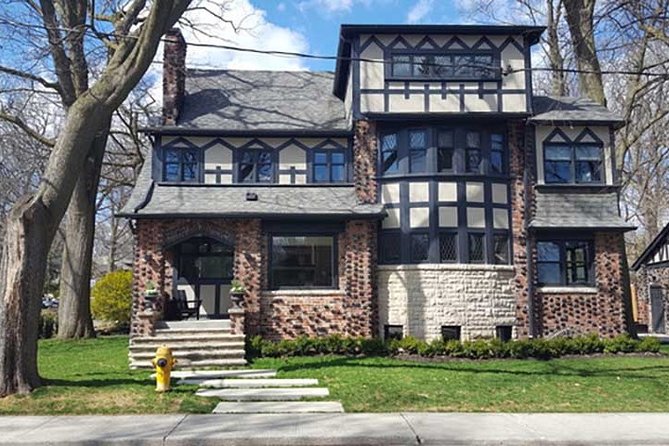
(422, 298)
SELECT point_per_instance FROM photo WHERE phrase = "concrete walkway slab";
(280, 407)
(214, 374)
(266, 394)
(297, 429)
(257, 383)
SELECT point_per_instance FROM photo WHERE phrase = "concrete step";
(193, 364)
(192, 354)
(256, 383)
(280, 407)
(170, 332)
(200, 375)
(265, 394)
(175, 337)
(176, 346)
(201, 324)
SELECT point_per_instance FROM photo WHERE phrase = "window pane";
(417, 160)
(473, 139)
(473, 160)
(443, 66)
(264, 158)
(501, 249)
(422, 65)
(321, 174)
(445, 138)
(216, 267)
(548, 273)
(264, 173)
(302, 261)
(401, 65)
(496, 161)
(172, 172)
(189, 172)
(390, 248)
(417, 139)
(190, 156)
(320, 157)
(338, 173)
(588, 152)
(390, 162)
(448, 251)
(247, 158)
(445, 159)
(548, 251)
(558, 153)
(588, 171)
(172, 155)
(476, 249)
(338, 158)
(246, 173)
(419, 247)
(389, 142)
(557, 171)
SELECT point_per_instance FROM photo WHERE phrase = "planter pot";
(237, 299)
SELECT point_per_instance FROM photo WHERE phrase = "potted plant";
(237, 292)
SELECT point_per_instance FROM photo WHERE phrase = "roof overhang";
(615, 123)
(650, 249)
(190, 131)
(263, 215)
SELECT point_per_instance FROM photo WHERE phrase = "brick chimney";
(174, 75)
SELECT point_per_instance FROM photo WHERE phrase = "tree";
(34, 219)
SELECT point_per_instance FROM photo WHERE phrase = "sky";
(307, 26)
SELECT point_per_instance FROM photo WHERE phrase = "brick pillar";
(249, 269)
(520, 168)
(611, 280)
(364, 161)
(237, 321)
(360, 309)
(174, 75)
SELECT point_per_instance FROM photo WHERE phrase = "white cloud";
(419, 11)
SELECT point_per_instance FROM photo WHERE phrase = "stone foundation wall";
(424, 297)
(645, 277)
(601, 309)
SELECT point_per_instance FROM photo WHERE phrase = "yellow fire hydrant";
(164, 363)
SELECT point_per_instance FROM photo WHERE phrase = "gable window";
(302, 261)
(441, 65)
(573, 163)
(564, 262)
(181, 165)
(329, 166)
(255, 166)
(417, 150)
(389, 154)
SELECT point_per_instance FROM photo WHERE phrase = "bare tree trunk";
(580, 18)
(74, 314)
(556, 61)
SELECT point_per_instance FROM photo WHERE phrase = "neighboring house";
(420, 189)
(652, 284)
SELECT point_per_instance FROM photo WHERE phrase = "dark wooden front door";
(657, 313)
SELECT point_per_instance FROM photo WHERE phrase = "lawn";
(92, 377)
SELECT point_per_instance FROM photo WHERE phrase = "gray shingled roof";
(578, 210)
(568, 109)
(154, 199)
(261, 100)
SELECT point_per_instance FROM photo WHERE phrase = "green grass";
(92, 377)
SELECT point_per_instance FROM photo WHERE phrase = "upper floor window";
(329, 166)
(389, 153)
(180, 165)
(443, 65)
(255, 166)
(417, 150)
(564, 262)
(573, 163)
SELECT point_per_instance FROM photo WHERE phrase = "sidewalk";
(340, 429)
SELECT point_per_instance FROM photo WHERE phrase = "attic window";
(180, 165)
(443, 65)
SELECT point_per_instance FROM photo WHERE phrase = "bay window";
(573, 163)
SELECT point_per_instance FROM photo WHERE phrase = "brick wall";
(645, 277)
(364, 161)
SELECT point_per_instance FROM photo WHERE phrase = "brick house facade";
(432, 194)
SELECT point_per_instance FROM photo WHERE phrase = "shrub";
(649, 345)
(48, 324)
(112, 297)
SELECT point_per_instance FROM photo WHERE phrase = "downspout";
(528, 247)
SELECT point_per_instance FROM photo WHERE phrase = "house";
(651, 284)
(421, 189)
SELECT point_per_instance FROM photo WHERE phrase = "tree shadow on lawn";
(110, 382)
(551, 368)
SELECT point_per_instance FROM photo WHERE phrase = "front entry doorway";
(203, 271)
(657, 313)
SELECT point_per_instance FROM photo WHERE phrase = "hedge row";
(477, 349)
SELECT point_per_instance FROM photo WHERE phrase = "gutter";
(528, 259)
(185, 131)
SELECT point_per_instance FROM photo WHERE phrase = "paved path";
(339, 429)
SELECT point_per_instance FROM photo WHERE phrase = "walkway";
(339, 429)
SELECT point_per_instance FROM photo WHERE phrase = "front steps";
(264, 394)
(195, 344)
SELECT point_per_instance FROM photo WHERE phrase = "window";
(448, 247)
(204, 259)
(576, 163)
(329, 166)
(420, 244)
(417, 150)
(393, 332)
(476, 248)
(432, 65)
(389, 156)
(473, 152)
(390, 247)
(450, 332)
(497, 153)
(302, 262)
(564, 262)
(501, 248)
(504, 332)
(445, 150)
(181, 165)
(255, 166)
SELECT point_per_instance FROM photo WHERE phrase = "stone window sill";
(447, 267)
(567, 290)
(302, 292)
